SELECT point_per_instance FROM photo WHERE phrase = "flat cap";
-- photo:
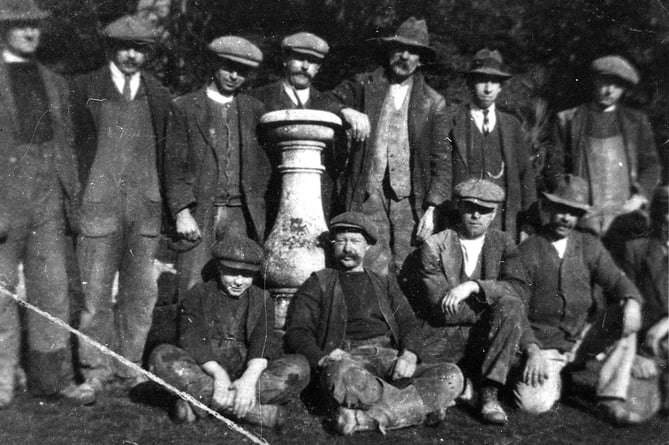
(306, 43)
(480, 191)
(131, 28)
(355, 221)
(238, 252)
(236, 49)
(616, 66)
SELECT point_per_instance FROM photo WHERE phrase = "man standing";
(39, 197)
(359, 333)
(609, 145)
(303, 54)
(487, 143)
(399, 174)
(554, 273)
(231, 359)
(216, 172)
(120, 116)
(460, 268)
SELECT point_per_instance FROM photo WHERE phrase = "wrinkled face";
(235, 282)
(23, 38)
(230, 76)
(475, 219)
(608, 90)
(404, 61)
(485, 89)
(301, 69)
(130, 57)
(562, 219)
(349, 250)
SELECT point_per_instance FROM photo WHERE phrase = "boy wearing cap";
(216, 172)
(467, 311)
(398, 171)
(611, 146)
(229, 358)
(554, 273)
(487, 143)
(120, 114)
(361, 337)
(39, 199)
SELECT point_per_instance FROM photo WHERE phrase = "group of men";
(112, 159)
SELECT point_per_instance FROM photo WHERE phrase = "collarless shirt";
(477, 114)
(119, 80)
(213, 94)
(561, 246)
(10, 57)
(297, 97)
(471, 251)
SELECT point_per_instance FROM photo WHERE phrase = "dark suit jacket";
(568, 154)
(430, 172)
(520, 185)
(316, 322)
(61, 149)
(441, 264)
(191, 167)
(558, 294)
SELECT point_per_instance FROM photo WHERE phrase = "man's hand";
(636, 202)
(631, 317)
(245, 396)
(658, 333)
(222, 398)
(405, 366)
(450, 304)
(536, 367)
(643, 368)
(359, 122)
(425, 225)
(332, 357)
(186, 226)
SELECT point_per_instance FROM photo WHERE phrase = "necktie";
(127, 91)
(486, 123)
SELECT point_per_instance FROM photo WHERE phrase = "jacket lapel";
(417, 108)
(656, 265)
(6, 96)
(202, 118)
(451, 259)
(629, 134)
(462, 119)
(490, 258)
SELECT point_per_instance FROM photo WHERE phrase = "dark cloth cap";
(306, 43)
(238, 252)
(21, 10)
(571, 191)
(414, 33)
(616, 66)
(479, 191)
(489, 63)
(355, 221)
(131, 28)
(236, 49)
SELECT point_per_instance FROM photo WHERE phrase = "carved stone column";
(293, 249)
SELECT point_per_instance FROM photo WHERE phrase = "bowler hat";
(236, 49)
(238, 252)
(616, 66)
(489, 63)
(131, 28)
(21, 10)
(413, 33)
(571, 191)
(355, 221)
(479, 191)
(306, 43)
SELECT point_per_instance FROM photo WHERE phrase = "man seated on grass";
(229, 358)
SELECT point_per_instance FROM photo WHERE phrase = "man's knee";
(509, 308)
(536, 400)
(285, 378)
(164, 357)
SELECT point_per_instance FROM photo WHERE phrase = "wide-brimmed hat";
(412, 33)
(480, 192)
(236, 49)
(488, 62)
(616, 66)
(306, 43)
(132, 28)
(238, 252)
(571, 191)
(355, 221)
(21, 10)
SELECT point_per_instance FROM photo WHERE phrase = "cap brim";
(478, 202)
(237, 59)
(345, 226)
(584, 208)
(489, 72)
(306, 51)
(238, 265)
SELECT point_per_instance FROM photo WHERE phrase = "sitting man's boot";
(84, 394)
(439, 387)
(351, 385)
(183, 412)
(491, 409)
(269, 416)
(350, 420)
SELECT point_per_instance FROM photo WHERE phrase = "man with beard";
(303, 54)
(358, 332)
(39, 199)
(399, 175)
(487, 143)
(470, 318)
(612, 147)
(120, 113)
(554, 273)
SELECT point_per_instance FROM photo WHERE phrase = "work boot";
(269, 416)
(183, 412)
(351, 385)
(83, 394)
(351, 420)
(491, 409)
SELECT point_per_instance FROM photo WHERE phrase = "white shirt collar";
(119, 79)
(213, 94)
(477, 114)
(302, 94)
(399, 91)
(471, 251)
(10, 57)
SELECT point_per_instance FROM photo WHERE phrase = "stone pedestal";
(293, 249)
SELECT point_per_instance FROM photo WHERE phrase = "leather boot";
(351, 385)
(351, 420)
(268, 416)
